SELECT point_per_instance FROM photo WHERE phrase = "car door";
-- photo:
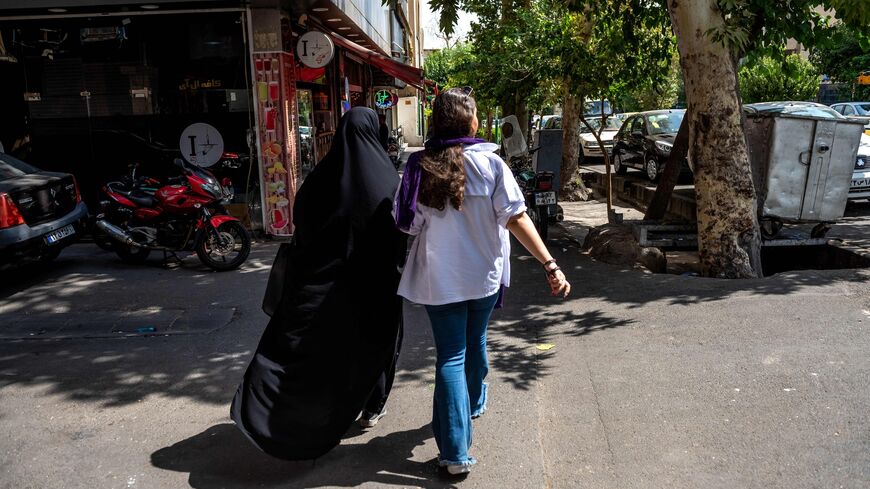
(621, 141)
(635, 142)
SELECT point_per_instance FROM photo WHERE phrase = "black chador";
(336, 333)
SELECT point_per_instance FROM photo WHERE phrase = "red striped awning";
(408, 74)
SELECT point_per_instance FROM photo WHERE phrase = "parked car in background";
(588, 143)
(860, 185)
(859, 189)
(645, 140)
(41, 212)
(857, 110)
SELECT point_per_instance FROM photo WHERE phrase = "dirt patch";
(615, 244)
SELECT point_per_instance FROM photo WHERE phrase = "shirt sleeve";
(507, 199)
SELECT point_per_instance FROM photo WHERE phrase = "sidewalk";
(635, 381)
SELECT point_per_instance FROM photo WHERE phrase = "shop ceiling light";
(344, 28)
(149, 6)
(353, 35)
(57, 10)
(334, 19)
(320, 9)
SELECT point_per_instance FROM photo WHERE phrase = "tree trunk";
(570, 139)
(728, 234)
(489, 125)
(659, 204)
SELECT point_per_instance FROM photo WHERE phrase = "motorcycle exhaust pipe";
(116, 233)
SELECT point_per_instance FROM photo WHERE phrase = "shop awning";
(408, 74)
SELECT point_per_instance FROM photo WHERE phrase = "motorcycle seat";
(142, 200)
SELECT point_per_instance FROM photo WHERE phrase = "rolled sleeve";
(507, 198)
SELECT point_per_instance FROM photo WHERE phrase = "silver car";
(855, 110)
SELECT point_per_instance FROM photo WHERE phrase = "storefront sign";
(384, 99)
(201, 144)
(315, 49)
(278, 119)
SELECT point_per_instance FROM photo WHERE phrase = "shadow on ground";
(222, 458)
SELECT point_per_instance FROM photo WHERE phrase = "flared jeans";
(461, 366)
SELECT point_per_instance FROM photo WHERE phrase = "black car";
(40, 212)
(645, 141)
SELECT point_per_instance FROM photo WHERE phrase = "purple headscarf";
(410, 187)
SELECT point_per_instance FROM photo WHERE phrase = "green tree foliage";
(658, 93)
(767, 78)
(842, 58)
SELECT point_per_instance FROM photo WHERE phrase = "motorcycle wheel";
(103, 240)
(543, 224)
(131, 254)
(228, 254)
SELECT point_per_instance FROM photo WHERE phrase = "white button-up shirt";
(465, 255)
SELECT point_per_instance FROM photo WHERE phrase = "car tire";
(651, 168)
(618, 167)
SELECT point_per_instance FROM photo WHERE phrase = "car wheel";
(618, 167)
(652, 169)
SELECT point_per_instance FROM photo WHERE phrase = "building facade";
(90, 90)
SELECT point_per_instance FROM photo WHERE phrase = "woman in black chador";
(330, 350)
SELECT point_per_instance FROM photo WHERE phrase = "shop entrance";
(91, 96)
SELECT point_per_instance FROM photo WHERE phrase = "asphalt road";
(636, 381)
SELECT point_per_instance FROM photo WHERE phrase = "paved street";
(638, 380)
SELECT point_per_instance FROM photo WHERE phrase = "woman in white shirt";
(460, 200)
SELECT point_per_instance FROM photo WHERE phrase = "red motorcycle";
(186, 214)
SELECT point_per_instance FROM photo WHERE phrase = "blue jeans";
(460, 340)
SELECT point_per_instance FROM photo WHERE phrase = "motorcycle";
(185, 214)
(537, 187)
(393, 151)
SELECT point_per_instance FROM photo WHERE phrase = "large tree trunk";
(488, 134)
(571, 106)
(728, 235)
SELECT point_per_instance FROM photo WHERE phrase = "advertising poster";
(276, 103)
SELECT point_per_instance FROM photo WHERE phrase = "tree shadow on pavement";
(222, 458)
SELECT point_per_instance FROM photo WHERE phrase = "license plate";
(55, 236)
(545, 198)
(860, 182)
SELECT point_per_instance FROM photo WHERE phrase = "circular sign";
(384, 99)
(315, 49)
(201, 144)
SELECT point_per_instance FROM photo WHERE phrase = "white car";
(855, 110)
(591, 149)
(590, 146)
(860, 187)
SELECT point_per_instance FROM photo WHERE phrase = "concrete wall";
(407, 111)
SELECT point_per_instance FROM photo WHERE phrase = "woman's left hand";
(559, 285)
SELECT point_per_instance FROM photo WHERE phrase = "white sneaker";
(369, 420)
(458, 469)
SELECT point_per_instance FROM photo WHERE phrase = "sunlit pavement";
(637, 380)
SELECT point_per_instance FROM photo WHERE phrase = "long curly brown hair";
(443, 176)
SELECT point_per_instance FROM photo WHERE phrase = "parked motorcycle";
(393, 151)
(537, 187)
(185, 214)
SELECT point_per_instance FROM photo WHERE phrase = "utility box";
(548, 156)
(801, 165)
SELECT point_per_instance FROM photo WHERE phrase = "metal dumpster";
(802, 162)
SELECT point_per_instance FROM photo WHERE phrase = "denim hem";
(444, 463)
(482, 409)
